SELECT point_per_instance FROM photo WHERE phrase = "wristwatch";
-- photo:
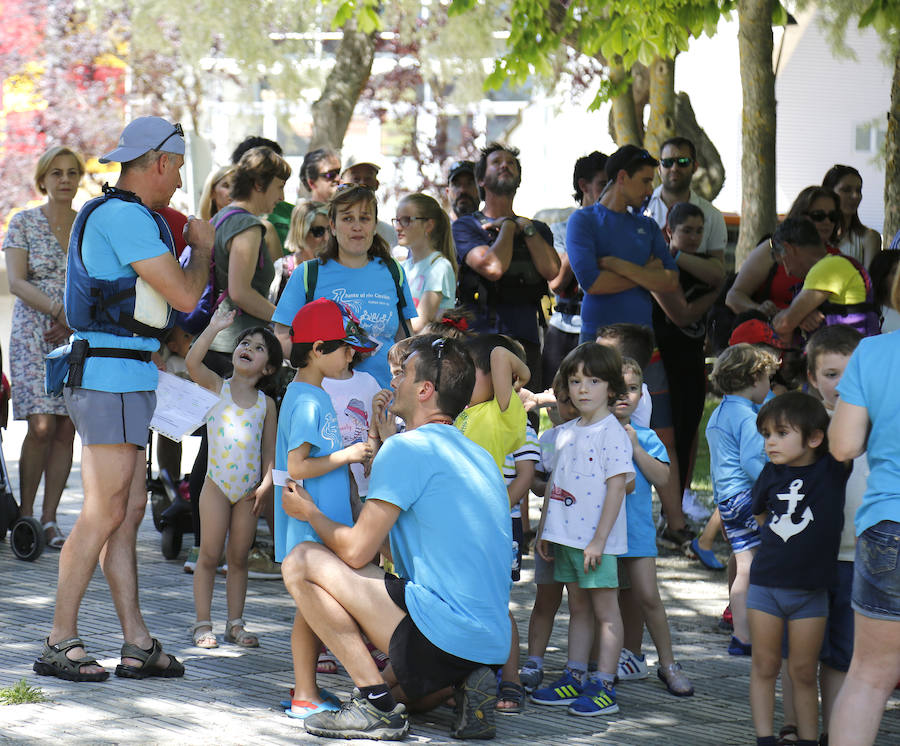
(529, 230)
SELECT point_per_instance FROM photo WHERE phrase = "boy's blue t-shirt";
(451, 542)
(116, 234)
(865, 384)
(307, 416)
(596, 231)
(639, 502)
(736, 449)
(370, 293)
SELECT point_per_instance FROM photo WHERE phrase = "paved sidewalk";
(230, 695)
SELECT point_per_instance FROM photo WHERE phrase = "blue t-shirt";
(596, 231)
(639, 502)
(116, 234)
(865, 383)
(736, 449)
(802, 532)
(453, 546)
(307, 416)
(370, 293)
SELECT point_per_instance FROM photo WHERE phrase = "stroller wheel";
(27, 538)
(170, 542)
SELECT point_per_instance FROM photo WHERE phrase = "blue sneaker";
(597, 698)
(706, 556)
(563, 691)
(736, 647)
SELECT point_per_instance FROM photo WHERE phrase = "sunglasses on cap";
(404, 220)
(176, 131)
(318, 230)
(331, 175)
(817, 216)
(684, 161)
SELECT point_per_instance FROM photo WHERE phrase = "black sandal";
(149, 659)
(510, 691)
(788, 730)
(55, 662)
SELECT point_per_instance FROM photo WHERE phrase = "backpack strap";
(399, 277)
(310, 278)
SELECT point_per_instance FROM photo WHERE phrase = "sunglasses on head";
(683, 161)
(776, 250)
(176, 131)
(330, 175)
(404, 220)
(437, 347)
(318, 230)
(817, 216)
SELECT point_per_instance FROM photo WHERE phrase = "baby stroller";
(171, 511)
(26, 535)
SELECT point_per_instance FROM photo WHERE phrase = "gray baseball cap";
(143, 135)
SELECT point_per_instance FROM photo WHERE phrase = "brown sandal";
(242, 637)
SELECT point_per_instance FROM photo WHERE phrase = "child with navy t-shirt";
(800, 497)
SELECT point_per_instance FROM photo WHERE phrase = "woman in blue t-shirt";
(354, 269)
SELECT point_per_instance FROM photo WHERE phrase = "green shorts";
(568, 567)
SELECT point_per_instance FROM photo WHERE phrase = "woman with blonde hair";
(36, 245)
(307, 235)
(216, 192)
(424, 229)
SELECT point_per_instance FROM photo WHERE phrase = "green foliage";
(20, 694)
(836, 16)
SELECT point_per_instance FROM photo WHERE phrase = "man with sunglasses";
(677, 165)
(122, 282)
(443, 616)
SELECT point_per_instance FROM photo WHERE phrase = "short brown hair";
(740, 366)
(596, 360)
(258, 167)
(838, 338)
(347, 196)
(43, 165)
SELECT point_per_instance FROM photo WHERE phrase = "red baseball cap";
(756, 332)
(325, 320)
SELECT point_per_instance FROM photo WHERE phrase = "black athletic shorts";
(419, 665)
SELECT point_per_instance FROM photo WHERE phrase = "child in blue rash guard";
(800, 496)
(309, 448)
(736, 458)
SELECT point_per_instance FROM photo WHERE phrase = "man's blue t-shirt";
(596, 231)
(370, 293)
(865, 383)
(453, 544)
(736, 449)
(639, 502)
(116, 234)
(307, 416)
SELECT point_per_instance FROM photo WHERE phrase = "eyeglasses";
(176, 131)
(437, 347)
(330, 175)
(318, 230)
(817, 216)
(404, 220)
(683, 162)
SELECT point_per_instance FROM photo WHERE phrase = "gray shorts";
(543, 570)
(788, 603)
(104, 418)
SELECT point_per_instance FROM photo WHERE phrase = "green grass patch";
(701, 481)
(20, 694)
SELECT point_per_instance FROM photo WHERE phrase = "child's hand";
(373, 441)
(260, 497)
(593, 554)
(296, 501)
(359, 453)
(632, 435)
(529, 399)
(222, 319)
(544, 549)
(382, 420)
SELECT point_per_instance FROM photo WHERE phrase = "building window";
(869, 138)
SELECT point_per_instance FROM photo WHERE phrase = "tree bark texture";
(343, 86)
(661, 124)
(710, 174)
(758, 124)
(892, 166)
(624, 116)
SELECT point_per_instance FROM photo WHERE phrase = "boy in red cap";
(324, 335)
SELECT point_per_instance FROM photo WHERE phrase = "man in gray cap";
(122, 283)
(462, 189)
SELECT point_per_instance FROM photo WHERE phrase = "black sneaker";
(476, 700)
(679, 539)
(358, 718)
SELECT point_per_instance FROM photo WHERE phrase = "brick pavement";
(230, 695)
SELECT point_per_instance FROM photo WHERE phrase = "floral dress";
(30, 230)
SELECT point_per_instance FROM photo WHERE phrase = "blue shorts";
(658, 386)
(741, 528)
(876, 575)
(788, 603)
(837, 647)
(543, 570)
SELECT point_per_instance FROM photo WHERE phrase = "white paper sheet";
(181, 406)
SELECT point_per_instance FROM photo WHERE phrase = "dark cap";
(458, 167)
(627, 156)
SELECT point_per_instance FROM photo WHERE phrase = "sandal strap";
(148, 658)
(199, 625)
(50, 524)
(64, 646)
(232, 623)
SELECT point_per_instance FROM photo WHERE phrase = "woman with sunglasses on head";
(762, 284)
(424, 229)
(307, 236)
(320, 173)
(355, 268)
(855, 239)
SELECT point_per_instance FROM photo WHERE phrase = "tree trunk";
(710, 174)
(661, 124)
(758, 124)
(624, 117)
(352, 67)
(892, 167)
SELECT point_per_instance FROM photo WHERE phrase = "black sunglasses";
(318, 230)
(176, 131)
(817, 216)
(404, 220)
(437, 347)
(330, 175)
(683, 161)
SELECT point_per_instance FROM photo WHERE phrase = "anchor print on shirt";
(784, 525)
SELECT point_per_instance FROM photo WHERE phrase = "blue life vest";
(94, 305)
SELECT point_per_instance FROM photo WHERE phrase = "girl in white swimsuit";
(242, 428)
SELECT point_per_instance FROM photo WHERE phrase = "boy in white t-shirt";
(584, 520)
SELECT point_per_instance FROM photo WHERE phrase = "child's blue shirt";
(736, 449)
(639, 502)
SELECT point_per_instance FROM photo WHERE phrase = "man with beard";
(505, 260)
(462, 191)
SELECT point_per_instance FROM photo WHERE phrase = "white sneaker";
(631, 667)
(693, 508)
